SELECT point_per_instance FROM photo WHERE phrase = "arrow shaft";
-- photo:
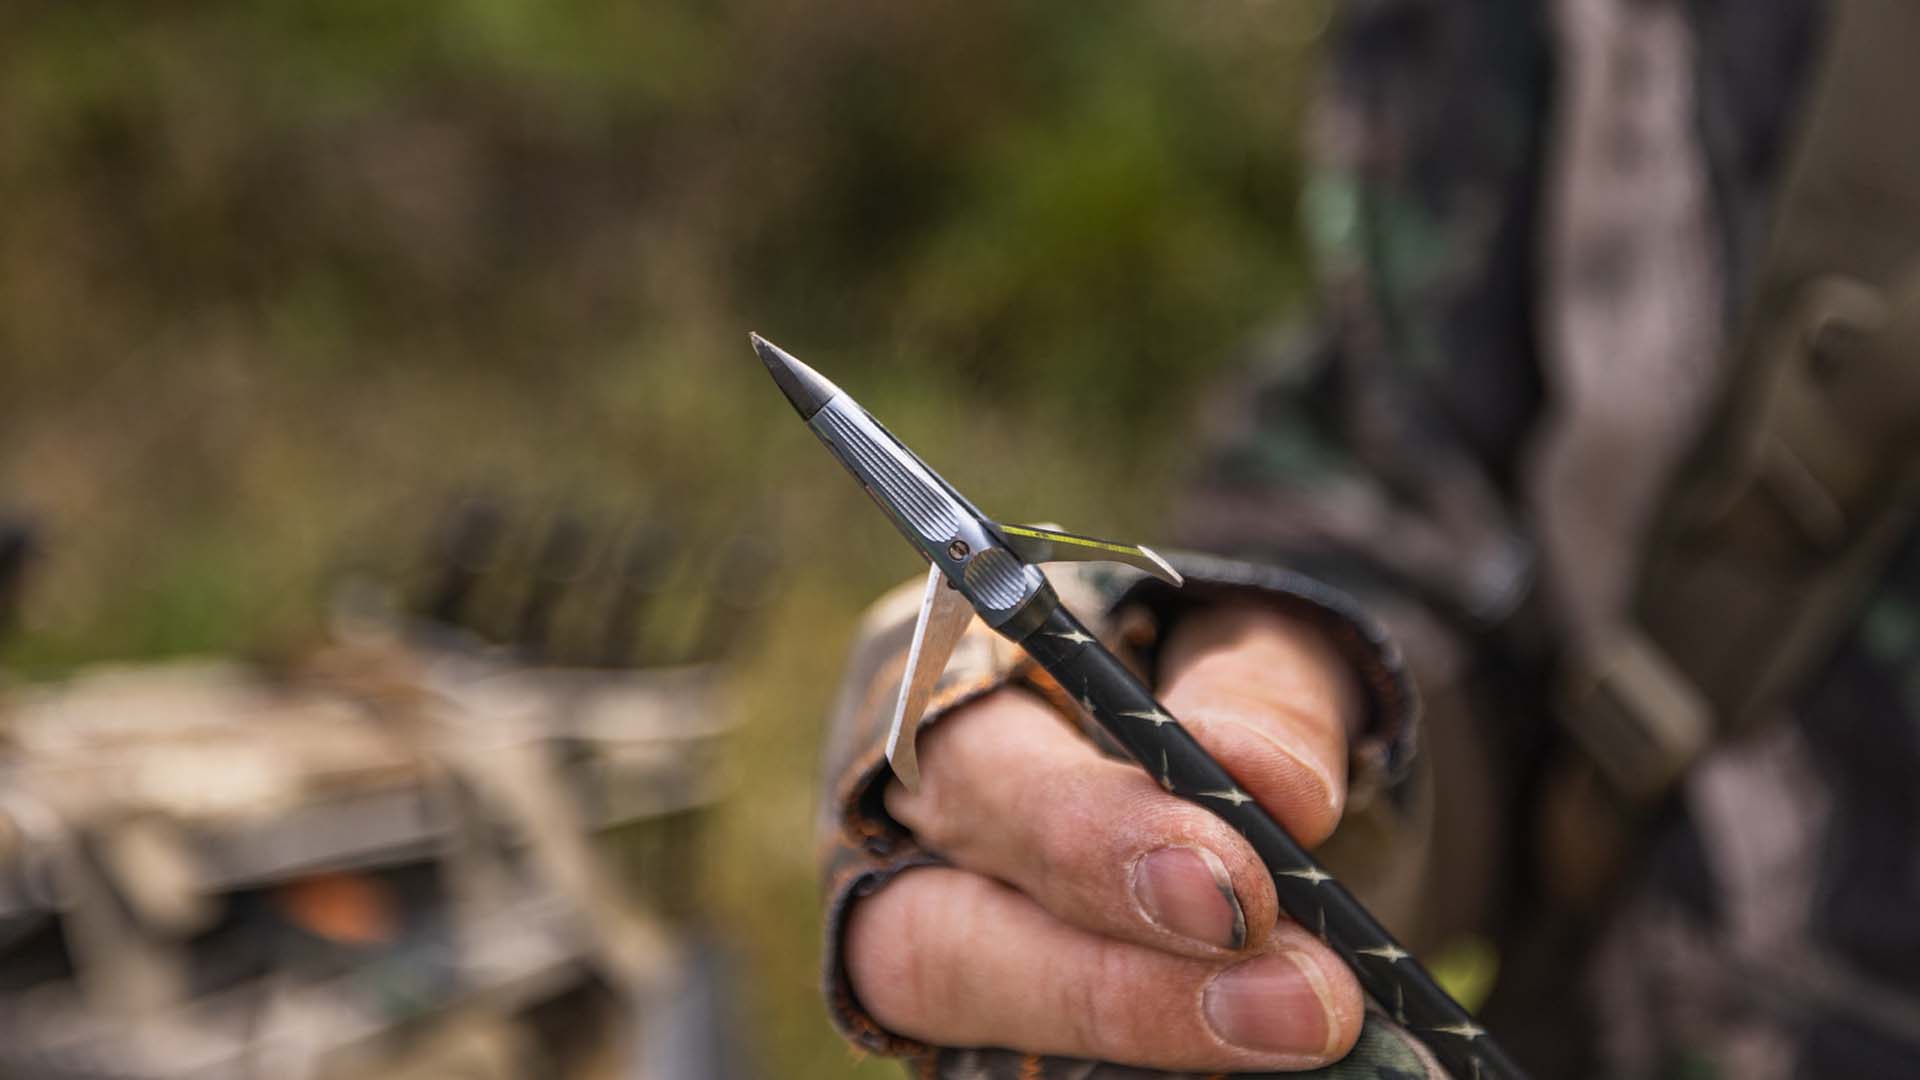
(1096, 678)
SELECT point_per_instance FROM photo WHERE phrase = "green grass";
(278, 279)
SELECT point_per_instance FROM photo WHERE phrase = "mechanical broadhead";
(977, 566)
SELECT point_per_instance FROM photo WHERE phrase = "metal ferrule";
(945, 527)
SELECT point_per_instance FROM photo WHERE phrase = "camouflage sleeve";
(862, 848)
(1377, 445)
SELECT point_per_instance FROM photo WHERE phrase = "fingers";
(1091, 914)
(1271, 700)
(1009, 791)
(953, 959)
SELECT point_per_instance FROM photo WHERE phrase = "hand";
(1088, 913)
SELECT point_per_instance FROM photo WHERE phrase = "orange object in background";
(352, 909)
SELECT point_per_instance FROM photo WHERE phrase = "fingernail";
(1187, 890)
(1276, 1003)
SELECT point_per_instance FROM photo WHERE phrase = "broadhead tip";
(1161, 568)
(806, 388)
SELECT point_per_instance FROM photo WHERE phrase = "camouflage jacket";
(1539, 229)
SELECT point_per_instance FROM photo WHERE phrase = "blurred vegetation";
(276, 278)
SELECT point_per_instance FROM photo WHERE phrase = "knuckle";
(881, 976)
(1114, 998)
(1085, 834)
(900, 986)
(1082, 1006)
(1120, 1005)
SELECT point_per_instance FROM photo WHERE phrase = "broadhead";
(806, 388)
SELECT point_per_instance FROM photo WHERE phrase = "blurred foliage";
(276, 278)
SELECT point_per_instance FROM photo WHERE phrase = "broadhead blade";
(1048, 543)
(944, 615)
(806, 388)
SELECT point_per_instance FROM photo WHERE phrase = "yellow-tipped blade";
(1044, 544)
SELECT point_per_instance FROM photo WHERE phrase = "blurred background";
(278, 281)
